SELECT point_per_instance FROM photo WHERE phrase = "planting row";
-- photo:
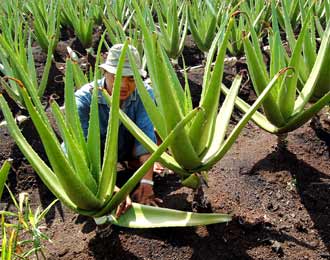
(291, 87)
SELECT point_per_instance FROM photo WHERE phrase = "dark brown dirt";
(279, 199)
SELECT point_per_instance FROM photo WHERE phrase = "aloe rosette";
(310, 43)
(79, 177)
(257, 11)
(203, 18)
(285, 109)
(173, 26)
(80, 16)
(16, 56)
(202, 142)
(46, 23)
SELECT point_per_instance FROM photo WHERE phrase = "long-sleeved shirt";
(133, 108)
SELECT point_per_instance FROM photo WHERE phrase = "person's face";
(127, 85)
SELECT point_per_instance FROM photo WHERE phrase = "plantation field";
(230, 97)
(279, 199)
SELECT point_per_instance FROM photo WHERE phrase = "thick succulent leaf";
(109, 167)
(11, 88)
(319, 28)
(76, 188)
(210, 57)
(19, 63)
(260, 80)
(288, 91)
(169, 100)
(301, 118)
(223, 119)
(182, 150)
(138, 175)
(188, 105)
(71, 112)
(44, 79)
(4, 170)
(258, 118)
(148, 43)
(194, 30)
(238, 128)
(323, 82)
(154, 114)
(202, 127)
(44, 172)
(277, 50)
(193, 181)
(142, 216)
(164, 33)
(320, 69)
(288, 27)
(177, 88)
(77, 158)
(184, 33)
(30, 62)
(93, 138)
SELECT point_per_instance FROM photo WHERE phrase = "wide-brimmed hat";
(112, 61)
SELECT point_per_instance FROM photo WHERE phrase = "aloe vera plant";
(115, 29)
(46, 22)
(17, 59)
(119, 23)
(202, 142)
(203, 21)
(285, 108)
(321, 14)
(79, 177)
(173, 26)
(80, 15)
(120, 10)
(257, 13)
(11, 16)
(310, 45)
(293, 12)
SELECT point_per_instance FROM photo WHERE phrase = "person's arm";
(145, 193)
(124, 205)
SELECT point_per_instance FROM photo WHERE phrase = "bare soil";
(279, 199)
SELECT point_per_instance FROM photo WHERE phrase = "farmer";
(129, 149)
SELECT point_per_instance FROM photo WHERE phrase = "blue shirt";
(133, 108)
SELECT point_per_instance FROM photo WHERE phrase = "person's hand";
(123, 206)
(144, 194)
(158, 168)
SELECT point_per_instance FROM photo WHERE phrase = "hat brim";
(125, 71)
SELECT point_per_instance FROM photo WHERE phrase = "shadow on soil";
(322, 133)
(312, 186)
(220, 241)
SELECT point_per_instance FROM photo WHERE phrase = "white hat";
(112, 61)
